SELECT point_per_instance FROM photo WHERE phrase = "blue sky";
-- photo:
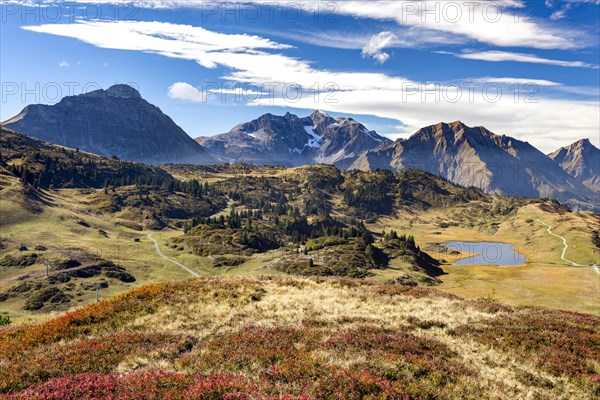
(525, 69)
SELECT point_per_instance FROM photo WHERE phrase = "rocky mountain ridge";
(292, 141)
(582, 160)
(477, 157)
(118, 121)
(112, 122)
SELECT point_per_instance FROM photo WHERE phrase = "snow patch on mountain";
(316, 140)
(366, 131)
(290, 140)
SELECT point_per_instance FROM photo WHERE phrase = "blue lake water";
(487, 253)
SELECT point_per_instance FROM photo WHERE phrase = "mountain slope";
(582, 160)
(477, 157)
(116, 121)
(46, 165)
(292, 141)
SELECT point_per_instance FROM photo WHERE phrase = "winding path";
(564, 242)
(167, 258)
(595, 266)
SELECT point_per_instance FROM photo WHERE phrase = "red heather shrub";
(420, 366)
(101, 354)
(287, 361)
(416, 292)
(560, 342)
(357, 385)
(144, 385)
(133, 386)
(110, 315)
(388, 343)
(221, 386)
(249, 348)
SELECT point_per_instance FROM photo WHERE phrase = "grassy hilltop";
(249, 338)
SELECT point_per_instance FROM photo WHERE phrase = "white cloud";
(496, 22)
(185, 91)
(405, 37)
(517, 81)
(64, 64)
(562, 13)
(569, 4)
(377, 44)
(414, 103)
(171, 40)
(497, 56)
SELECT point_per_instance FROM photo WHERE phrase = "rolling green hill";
(79, 213)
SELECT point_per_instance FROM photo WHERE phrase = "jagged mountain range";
(292, 141)
(112, 122)
(477, 157)
(118, 121)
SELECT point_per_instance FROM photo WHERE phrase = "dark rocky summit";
(112, 122)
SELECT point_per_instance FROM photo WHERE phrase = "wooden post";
(97, 287)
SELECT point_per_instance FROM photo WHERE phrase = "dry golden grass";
(545, 280)
(558, 287)
(292, 302)
(314, 313)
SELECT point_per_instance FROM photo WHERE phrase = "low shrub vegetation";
(293, 338)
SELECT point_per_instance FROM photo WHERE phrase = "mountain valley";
(243, 219)
(279, 269)
(255, 200)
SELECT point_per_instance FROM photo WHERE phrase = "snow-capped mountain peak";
(291, 140)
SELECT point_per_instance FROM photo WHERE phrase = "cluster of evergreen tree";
(279, 208)
(45, 171)
(368, 195)
(317, 205)
(191, 187)
(254, 198)
(407, 242)
(57, 172)
(54, 171)
(596, 238)
(286, 220)
(372, 195)
(235, 220)
(326, 178)
(299, 231)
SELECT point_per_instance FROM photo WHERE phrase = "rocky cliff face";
(477, 157)
(290, 140)
(582, 160)
(116, 121)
